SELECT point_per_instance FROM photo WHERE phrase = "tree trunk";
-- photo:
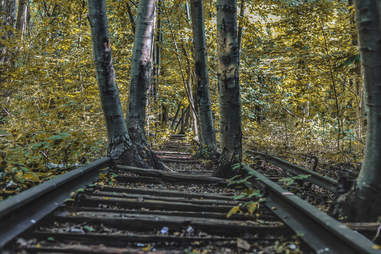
(8, 12)
(208, 135)
(181, 120)
(363, 201)
(228, 81)
(22, 15)
(185, 122)
(131, 17)
(115, 123)
(240, 29)
(157, 53)
(141, 70)
(121, 148)
(175, 117)
(7, 18)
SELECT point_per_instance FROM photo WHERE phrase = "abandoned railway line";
(106, 208)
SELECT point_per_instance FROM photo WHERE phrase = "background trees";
(301, 91)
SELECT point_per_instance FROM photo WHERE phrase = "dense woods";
(277, 76)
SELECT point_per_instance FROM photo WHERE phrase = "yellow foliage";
(299, 74)
(233, 210)
(252, 207)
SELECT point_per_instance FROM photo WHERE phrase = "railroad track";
(121, 209)
(315, 178)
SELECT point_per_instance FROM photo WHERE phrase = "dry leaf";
(232, 211)
(243, 244)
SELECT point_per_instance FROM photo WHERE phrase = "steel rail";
(320, 231)
(315, 178)
(22, 211)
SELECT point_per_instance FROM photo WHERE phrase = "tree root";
(122, 150)
(354, 207)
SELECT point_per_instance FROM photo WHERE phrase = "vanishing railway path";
(105, 208)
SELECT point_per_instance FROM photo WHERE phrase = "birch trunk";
(157, 53)
(228, 81)
(22, 15)
(363, 201)
(240, 28)
(208, 135)
(121, 147)
(117, 133)
(141, 70)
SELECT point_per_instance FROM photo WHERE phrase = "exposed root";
(354, 207)
(133, 150)
(226, 162)
(118, 145)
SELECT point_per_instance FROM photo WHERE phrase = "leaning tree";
(363, 201)
(125, 143)
(141, 67)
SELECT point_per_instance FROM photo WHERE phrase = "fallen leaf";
(147, 248)
(30, 176)
(232, 211)
(252, 207)
(243, 244)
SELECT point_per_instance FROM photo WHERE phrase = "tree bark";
(175, 117)
(228, 81)
(363, 201)
(115, 122)
(22, 15)
(240, 29)
(8, 12)
(131, 17)
(7, 18)
(122, 148)
(208, 135)
(141, 70)
(157, 53)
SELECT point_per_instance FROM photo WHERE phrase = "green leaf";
(88, 228)
(242, 195)
(256, 193)
(301, 177)
(59, 137)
